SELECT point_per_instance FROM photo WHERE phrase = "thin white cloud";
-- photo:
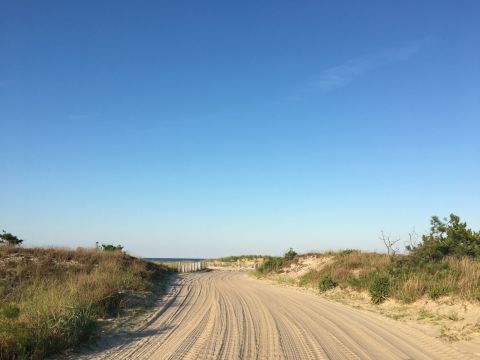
(341, 75)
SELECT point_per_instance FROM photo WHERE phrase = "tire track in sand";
(227, 315)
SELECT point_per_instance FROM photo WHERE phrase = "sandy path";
(227, 315)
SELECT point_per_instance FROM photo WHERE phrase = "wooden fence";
(184, 267)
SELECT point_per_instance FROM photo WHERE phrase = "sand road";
(228, 315)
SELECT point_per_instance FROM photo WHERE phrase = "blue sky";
(214, 128)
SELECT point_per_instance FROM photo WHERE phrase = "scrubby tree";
(290, 254)
(447, 237)
(10, 239)
(110, 247)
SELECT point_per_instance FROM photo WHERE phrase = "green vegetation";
(271, 264)
(445, 262)
(50, 299)
(290, 254)
(277, 263)
(110, 247)
(237, 258)
(9, 239)
(379, 288)
(425, 314)
(447, 237)
(326, 283)
(437, 291)
(351, 268)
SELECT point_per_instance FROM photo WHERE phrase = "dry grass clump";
(459, 277)
(468, 283)
(50, 298)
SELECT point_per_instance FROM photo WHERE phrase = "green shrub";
(326, 283)
(437, 291)
(110, 247)
(290, 254)
(379, 289)
(447, 237)
(271, 264)
(354, 282)
(10, 311)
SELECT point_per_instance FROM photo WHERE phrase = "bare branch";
(413, 240)
(389, 244)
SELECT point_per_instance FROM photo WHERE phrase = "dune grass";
(445, 262)
(407, 282)
(236, 258)
(50, 299)
(351, 268)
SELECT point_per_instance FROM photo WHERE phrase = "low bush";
(379, 289)
(290, 254)
(271, 264)
(326, 283)
(354, 282)
(437, 291)
(10, 311)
